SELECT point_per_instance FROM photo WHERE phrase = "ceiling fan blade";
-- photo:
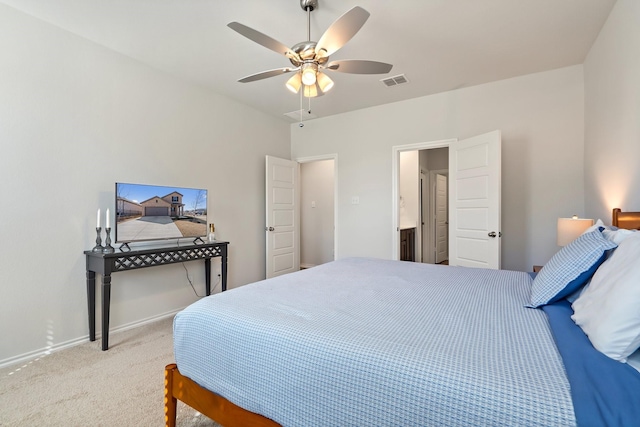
(341, 31)
(266, 74)
(262, 39)
(358, 66)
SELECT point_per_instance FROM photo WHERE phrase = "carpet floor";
(85, 386)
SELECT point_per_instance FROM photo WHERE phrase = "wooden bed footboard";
(178, 387)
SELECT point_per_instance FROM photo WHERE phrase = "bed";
(375, 342)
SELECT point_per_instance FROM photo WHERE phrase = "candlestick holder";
(98, 247)
(108, 249)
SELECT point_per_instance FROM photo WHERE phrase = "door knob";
(269, 228)
(492, 234)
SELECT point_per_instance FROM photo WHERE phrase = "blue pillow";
(570, 268)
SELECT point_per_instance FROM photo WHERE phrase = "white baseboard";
(306, 266)
(36, 354)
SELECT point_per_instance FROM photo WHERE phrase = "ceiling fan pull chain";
(301, 124)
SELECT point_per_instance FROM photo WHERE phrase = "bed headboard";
(629, 220)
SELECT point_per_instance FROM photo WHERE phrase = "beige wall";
(75, 118)
(541, 117)
(612, 114)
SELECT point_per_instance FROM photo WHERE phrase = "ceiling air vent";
(395, 80)
(299, 115)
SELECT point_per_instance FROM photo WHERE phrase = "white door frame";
(333, 157)
(395, 186)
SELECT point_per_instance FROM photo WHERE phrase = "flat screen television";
(153, 212)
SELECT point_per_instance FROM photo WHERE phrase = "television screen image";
(152, 212)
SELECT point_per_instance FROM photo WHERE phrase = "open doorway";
(423, 205)
(418, 193)
(290, 204)
(317, 211)
(474, 198)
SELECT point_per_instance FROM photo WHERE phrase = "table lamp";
(571, 228)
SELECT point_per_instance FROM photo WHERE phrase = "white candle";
(106, 225)
(98, 219)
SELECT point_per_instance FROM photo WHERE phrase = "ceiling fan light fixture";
(309, 71)
(311, 91)
(324, 82)
(294, 83)
(310, 58)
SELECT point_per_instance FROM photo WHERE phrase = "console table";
(107, 263)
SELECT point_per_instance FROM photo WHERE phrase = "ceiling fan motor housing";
(306, 51)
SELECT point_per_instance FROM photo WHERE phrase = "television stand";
(107, 263)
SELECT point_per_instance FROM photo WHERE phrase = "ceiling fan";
(310, 58)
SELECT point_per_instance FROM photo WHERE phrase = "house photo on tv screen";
(152, 212)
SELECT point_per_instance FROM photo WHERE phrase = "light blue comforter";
(364, 342)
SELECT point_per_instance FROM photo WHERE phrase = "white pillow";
(595, 226)
(608, 311)
(617, 236)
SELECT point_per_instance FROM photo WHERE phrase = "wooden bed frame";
(178, 387)
(629, 220)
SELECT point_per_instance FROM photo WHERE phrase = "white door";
(474, 201)
(282, 216)
(442, 220)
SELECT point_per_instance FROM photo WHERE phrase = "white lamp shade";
(324, 82)
(311, 91)
(309, 74)
(294, 83)
(570, 229)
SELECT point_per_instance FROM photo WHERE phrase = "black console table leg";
(91, 303)
(106, 304)
(223, 266)
(207, 276)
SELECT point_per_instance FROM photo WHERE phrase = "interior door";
(282, 216)
(474, 201)
(442, 220)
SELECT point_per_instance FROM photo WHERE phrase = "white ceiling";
(439, 45)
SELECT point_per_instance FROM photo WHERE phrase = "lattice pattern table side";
(131, 261)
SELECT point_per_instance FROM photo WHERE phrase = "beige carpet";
(84, 386)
